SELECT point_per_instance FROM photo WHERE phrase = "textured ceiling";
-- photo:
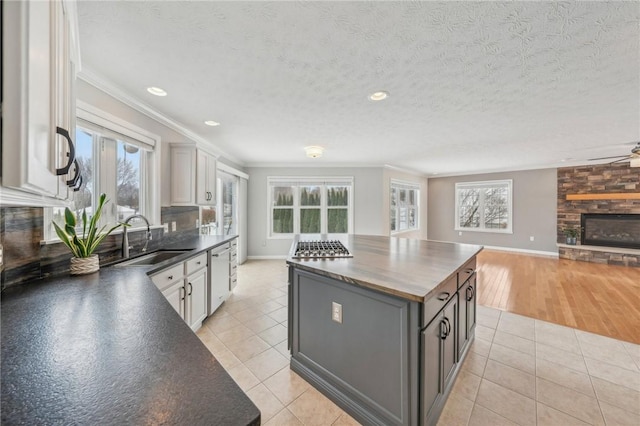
(474, 86)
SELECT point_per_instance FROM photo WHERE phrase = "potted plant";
(571, 232)
(83, 246)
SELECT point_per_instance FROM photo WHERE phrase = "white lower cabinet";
(185, 288)
(175, 295)
(196, 298)
(195, 288)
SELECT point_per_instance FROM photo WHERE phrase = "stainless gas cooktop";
(320, 249)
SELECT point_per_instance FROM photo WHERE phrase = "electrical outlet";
(459, 233)
(173, 227)
(336, 312)
(165, 227)
(531, 238)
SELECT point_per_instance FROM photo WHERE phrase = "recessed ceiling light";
(314, 151)
(211, 123)
(156, 91)
(378, 96)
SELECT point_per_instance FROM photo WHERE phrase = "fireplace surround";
(610, 230)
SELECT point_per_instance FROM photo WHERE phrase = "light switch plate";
(336, 312)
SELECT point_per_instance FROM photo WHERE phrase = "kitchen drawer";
(233, 281)
(440, 298)
(165, 278)
(466, 271)
(196, 262)
(233, 268)
(234, 254)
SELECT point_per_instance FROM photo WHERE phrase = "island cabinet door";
(439, 357)
(467, 315)
(431, 371)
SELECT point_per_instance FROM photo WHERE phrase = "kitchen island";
(383, 333)
(108, 348)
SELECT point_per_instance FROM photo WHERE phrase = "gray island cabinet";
(383, 333)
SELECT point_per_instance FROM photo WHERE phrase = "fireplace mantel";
(606, 196)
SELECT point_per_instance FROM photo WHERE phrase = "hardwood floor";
(601, 299)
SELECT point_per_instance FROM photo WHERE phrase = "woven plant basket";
(84, 265)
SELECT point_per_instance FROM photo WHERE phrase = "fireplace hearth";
(611, 230)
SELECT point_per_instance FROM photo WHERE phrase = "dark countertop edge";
(381, 286)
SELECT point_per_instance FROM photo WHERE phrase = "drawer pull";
(170, 277)
(469, 270)
(443, 296)
(197, 263)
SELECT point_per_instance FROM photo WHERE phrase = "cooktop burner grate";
(320, 249)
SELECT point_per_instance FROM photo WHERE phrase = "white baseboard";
(272, 257)
(525, 251)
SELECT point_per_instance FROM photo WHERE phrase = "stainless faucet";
(125, 236)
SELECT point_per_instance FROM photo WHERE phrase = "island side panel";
(368, 364)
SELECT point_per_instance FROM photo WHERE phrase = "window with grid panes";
(484, 206)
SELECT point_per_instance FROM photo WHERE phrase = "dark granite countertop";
(408, 268)
(107, 348)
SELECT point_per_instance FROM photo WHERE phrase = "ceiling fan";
(634, 157)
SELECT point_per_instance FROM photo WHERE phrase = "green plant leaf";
(84, 222)
(64, 238)
(69, 217)
(70, 230)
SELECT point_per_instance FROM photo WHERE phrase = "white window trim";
(401, 184)
(298, 181)
(485, 184)
(113, 125)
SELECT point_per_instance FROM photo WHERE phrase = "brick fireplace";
(603, 190)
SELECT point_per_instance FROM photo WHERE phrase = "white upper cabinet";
(206, 179)
(39, 61)
(193, 176)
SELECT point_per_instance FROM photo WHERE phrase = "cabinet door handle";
(72, 152)
(73, 181)
(182, 288)
(470, 293)
(443, 329)
(190, 289)
(448, 327)
(443, 296)
(78, 185)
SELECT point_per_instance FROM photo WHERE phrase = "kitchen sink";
(153, 258)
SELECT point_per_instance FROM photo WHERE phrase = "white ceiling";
(474, 86)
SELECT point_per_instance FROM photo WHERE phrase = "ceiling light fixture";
(156, 91)
(314, 151)
(211, 123)
(378, 96)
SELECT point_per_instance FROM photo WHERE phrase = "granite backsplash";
(26, 258)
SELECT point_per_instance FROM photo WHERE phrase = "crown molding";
(114, 91)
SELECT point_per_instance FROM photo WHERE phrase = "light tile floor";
(519, 371)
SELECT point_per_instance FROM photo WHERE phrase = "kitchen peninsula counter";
(107, 348)
(383, 333)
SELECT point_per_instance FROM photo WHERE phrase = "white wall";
(368, 204)
(534, 211)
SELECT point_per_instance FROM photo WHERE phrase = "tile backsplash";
(26, 259)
